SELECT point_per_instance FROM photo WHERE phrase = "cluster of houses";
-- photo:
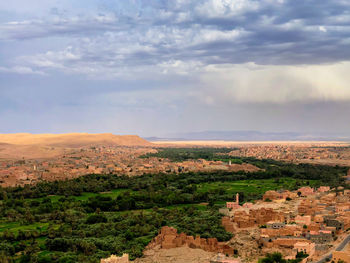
(101, 160)
(307, 220)
(293, 152)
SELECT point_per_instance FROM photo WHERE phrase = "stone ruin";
(228, 224)
(169, 238)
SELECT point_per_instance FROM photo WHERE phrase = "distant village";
(125, 160)
(101, 160)
(326, 153)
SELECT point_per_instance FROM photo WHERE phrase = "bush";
(96, 218)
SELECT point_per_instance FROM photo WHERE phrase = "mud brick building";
(257, 217)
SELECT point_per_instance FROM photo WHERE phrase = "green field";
(229, 189)
(16, 226)
(253, 186)
(85, 196)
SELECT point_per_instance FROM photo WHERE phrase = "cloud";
(20, 70)
(210, 32)
(252, 83)
(226, 8)
(322, 28)
(57, 26)
(175, 61)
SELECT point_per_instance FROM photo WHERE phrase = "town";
(122, 160)
(125, 160)
(307, 224)
(336, 153)
(276, 206)
(312, 222)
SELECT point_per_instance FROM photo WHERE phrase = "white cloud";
(124, 53)
(21, 70)
(322, 28)
(226, 8)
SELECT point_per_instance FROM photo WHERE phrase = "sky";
(153, 68)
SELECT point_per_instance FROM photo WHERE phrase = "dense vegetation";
(330, 175)
(69, 234)
(85, 219)
(184, 154)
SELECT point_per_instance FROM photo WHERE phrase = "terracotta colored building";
(234, 205)
(303, 220)
(306, 191)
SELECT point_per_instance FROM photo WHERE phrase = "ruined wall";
(228, 224)
(257, 217)
(169, 238)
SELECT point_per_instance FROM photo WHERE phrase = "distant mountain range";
(253, 136)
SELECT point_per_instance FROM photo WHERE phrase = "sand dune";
(49, 145)
(72, 139)
(13, 151)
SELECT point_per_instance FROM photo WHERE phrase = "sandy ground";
(176, 255)
(71, 139)
(51, 145)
